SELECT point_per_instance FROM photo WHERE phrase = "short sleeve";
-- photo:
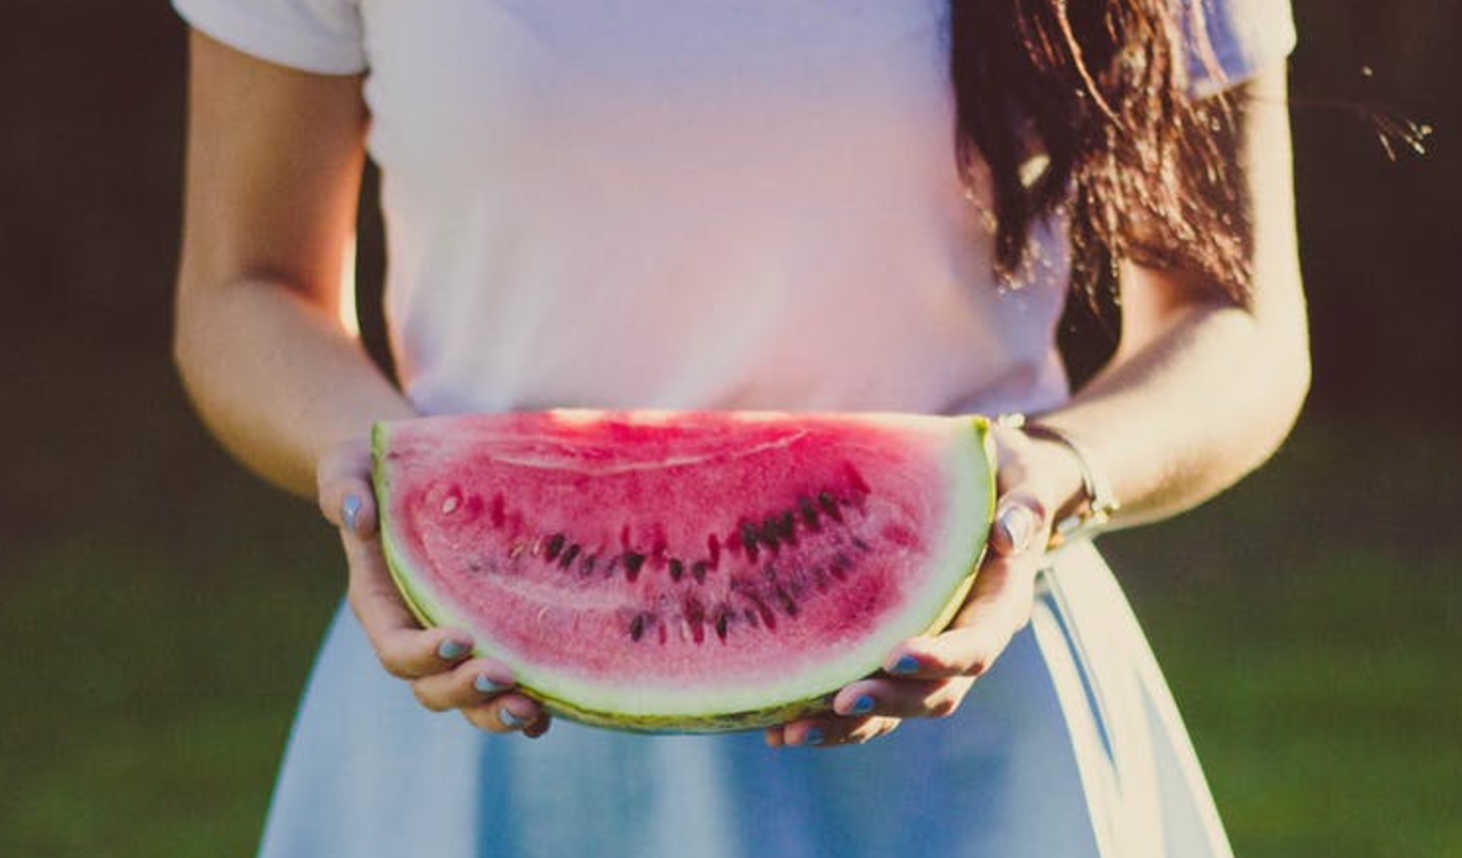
(1228, 41)
(324, 36)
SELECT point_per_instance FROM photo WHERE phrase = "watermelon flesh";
(683, 571)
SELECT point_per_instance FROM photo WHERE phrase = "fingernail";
(862, 706)
(813, 736)
(1016, 524)
(508, 718)
(350, 511)
(451, 650)
(905, 664)
(487, 685)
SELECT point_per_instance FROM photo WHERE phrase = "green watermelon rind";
(430, 612)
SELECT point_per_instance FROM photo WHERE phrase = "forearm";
(277, 379)
(275, 158)
(1191, 412)
(1202, 390)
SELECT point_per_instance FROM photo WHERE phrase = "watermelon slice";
(683, 571)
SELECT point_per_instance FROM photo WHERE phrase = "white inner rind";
(967, 462)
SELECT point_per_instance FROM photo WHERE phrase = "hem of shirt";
(1238, 63)
(271, 44)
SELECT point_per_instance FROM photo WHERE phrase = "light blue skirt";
(1070, 747)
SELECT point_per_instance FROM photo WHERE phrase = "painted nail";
(451, 650)
(906, 664)
(508, 718)
(813, 736)
(862, 706)
(1018, 524)
(487, 685)
(350, 512)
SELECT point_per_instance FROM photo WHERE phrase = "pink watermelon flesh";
(684, 571)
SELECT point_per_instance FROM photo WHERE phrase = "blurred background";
(159, 607)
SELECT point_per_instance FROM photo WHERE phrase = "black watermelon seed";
(748, 535)
(769, 531)
(809, 511)
(677, 569)
(786, 527)
(829, 506)
(699, 570)
(555, 545)
(632, 565)
(750, 616)
(568, 556)
(723, 624)
(788, 604)
(587, 567)
(637, 628)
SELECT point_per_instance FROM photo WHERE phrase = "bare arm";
(266, 349)
(1199, 392)
(267, 345)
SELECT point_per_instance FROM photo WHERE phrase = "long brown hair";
(1098, 88)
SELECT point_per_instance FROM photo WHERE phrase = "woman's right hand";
(437, 661)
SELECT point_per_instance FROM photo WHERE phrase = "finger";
(405, 649)
(904, 698)
(999, 606)
(343, 488)
(832, 731)
(471, 683)
(508, 713)
(537, 728)
(1019, 522)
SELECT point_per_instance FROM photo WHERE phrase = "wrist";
(1074, 489)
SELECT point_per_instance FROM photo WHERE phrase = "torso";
(733, 205)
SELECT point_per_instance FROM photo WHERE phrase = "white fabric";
(745, 203)
(1229, 40)
(726, 205)
(322, 36)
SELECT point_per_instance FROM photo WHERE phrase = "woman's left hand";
(928, 677)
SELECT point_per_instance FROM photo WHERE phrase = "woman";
(752, 205)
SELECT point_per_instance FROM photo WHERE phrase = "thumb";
(1019, 521)
(343, 488)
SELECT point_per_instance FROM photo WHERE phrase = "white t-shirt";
(669, 203)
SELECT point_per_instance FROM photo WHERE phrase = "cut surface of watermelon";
(691, 571)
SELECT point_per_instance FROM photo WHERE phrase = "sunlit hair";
(1097, 87)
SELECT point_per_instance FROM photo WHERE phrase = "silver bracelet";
(1100, 503)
